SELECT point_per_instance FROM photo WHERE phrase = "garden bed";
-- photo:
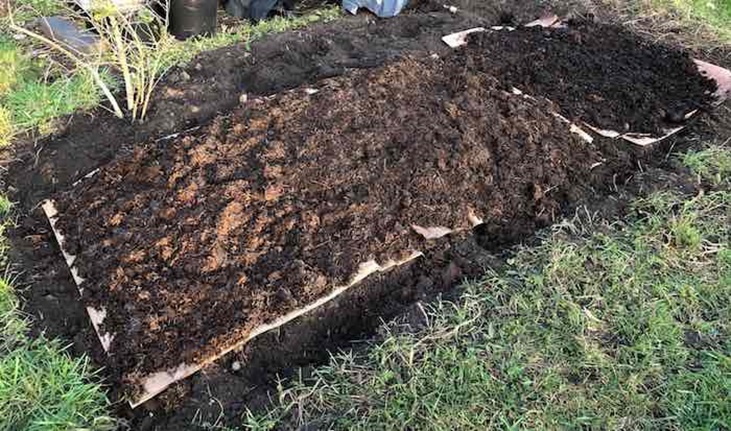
(283, 204)
(278, 204)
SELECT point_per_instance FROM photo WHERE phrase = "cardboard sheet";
(156, 382)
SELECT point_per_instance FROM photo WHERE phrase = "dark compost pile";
(602, 74)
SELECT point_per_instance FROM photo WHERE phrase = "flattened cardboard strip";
(435, 232)
(546, 21)
(719, 74)
(157, 382)
(573, 128)
(96, 316)
(458, 39)
(637, 138)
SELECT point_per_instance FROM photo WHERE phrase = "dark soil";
(598, 73)
(213, 83)
(270, 207)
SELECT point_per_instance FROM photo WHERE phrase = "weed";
(138, 42)
(712, 164)
(7, 131)
(134, 49)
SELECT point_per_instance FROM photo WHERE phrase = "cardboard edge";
(96, 316)
(645, 140)
(455, 40)
(546, 21)
(85, 177)
(640, 139)
(159, 381)
(720, 75)
(434, 232)
(575, 129)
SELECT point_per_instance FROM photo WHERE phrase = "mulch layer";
(191, 243)
(602, 74)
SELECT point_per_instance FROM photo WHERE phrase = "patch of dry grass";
(703, 26)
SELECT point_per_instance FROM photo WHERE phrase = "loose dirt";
(270, 207)
(211, 84)
(598, 73)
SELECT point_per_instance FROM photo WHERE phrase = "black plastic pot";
(193, 17)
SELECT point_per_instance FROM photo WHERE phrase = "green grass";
(603, 326)
(41, 387)
(27, 10)
(713, 164)
(13, 64)
(715, 14)
(31, 98)
(36, 103)
(7, 129)
(12, 327)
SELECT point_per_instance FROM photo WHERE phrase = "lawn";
(41, 386)
(715, 13)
